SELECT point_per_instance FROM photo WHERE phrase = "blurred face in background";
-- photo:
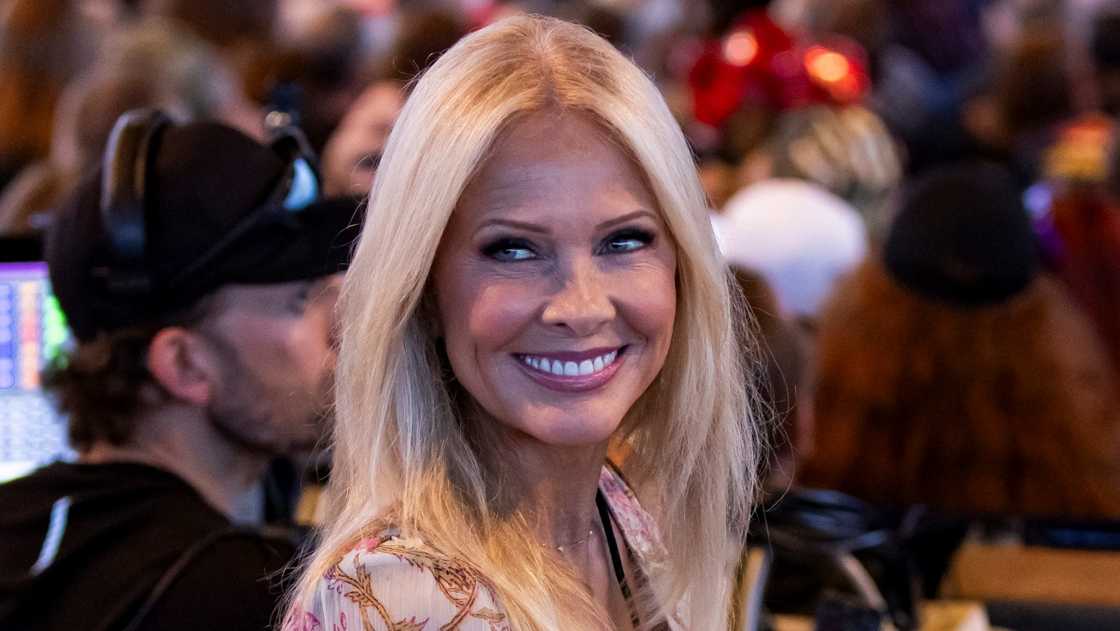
(275, 344)
(555, 283)
(353, 152)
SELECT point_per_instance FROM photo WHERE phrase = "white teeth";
(570, 368)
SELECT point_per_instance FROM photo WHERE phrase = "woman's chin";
(566, 431)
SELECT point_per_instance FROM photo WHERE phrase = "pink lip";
(582, 383)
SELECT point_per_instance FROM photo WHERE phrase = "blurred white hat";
(799, 236)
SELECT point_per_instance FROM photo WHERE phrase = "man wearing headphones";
(198, 274)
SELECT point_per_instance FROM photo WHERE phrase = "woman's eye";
(509, 250)
(627, 241)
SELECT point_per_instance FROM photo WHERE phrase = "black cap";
(205, 183)
(962, 236)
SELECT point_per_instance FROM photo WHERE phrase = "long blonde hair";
(400, 449)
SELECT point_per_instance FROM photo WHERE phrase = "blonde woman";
(537, 280)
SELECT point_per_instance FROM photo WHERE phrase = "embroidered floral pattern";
(459, 584)
(462, 599)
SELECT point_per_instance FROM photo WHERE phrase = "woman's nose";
(582, 304)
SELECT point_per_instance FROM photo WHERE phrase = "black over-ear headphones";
(124, 172)
(130, 155)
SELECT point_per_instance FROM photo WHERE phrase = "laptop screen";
(32, 333)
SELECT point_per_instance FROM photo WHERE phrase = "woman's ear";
(183, 365)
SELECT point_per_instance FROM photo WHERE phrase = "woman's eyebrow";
(627, 217)
(509, 223)
(532, 227)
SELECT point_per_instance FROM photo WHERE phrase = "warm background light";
(740, 48)
(827, 65)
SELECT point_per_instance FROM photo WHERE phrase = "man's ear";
(182, 363)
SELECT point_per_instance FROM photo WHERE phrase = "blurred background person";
(782, 376)
(1077, 219)
(204, 350)
(153, 63)
(1033, 96)
(43, 44)
(244, 33)
(1104, 50)
(847, 151)
(952, 374)
(425, 32)
(319, 69)
(773, 103)
(798, 236)
(353, 152)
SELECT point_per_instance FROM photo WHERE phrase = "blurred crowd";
(921, 199)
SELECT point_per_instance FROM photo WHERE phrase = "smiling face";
(555, 282)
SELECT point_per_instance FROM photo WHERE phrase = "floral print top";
(393, 583)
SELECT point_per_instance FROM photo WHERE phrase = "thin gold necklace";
(577, 542)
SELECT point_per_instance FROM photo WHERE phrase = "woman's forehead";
(555, 154)
(550, 126)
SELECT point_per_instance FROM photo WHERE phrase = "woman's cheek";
(647, 300)
(498, 312)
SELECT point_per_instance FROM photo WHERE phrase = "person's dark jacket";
(127, 546)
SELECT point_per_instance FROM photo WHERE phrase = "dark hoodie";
(84, 547)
